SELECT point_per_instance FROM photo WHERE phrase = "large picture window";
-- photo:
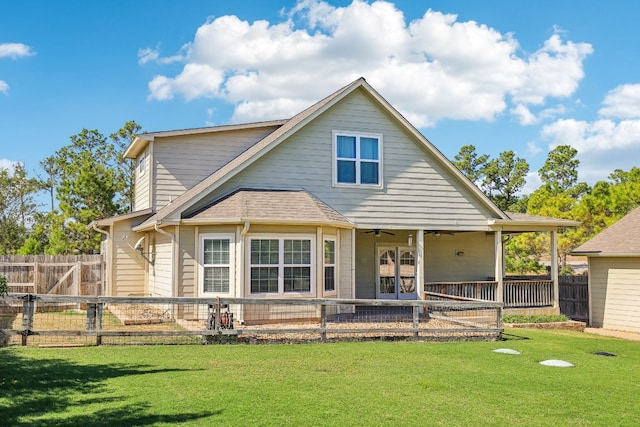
(280, 265)
(358, 159)
(216, 272)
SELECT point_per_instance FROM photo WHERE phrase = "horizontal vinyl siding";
(160, 276)
(442, 263)
(128, 265)
(183, 161)
(142, 184)
(417, 191)
(187, 276)
(622, 296)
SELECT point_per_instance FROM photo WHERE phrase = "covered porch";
(461, 264)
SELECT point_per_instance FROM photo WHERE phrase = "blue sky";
(501, 75)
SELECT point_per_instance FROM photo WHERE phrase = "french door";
(396, 276)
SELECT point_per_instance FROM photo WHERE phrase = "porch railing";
(516, 293)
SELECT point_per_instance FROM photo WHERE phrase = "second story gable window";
(358, 159)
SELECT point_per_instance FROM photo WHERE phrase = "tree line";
(90, 179)
(560, 195)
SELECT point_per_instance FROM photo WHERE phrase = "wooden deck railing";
(517, 293)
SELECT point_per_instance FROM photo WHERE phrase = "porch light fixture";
(410, 240)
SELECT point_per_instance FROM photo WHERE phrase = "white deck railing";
(517, 293)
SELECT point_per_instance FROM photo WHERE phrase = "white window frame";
(281, 265)
(357, 159)
(142, 164)
(230, 265)
(334, 265)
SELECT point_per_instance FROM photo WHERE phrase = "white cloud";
(532, 148)
(15, 50)
(623, 102)
(523, 115)
(603, 145)
(153, 55)
(8, 164)
(431, 68)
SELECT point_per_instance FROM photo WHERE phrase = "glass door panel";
(386, 273)
(396, 273)
(407, 273)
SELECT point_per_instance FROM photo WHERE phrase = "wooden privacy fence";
(54, 320)
(54, 274)
(574, 297)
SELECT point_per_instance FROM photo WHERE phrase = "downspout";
(107, 267)
(174, 283)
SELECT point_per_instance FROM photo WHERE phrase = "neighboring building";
(344, 200)
(614, 275)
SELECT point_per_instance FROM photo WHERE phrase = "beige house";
(344, 200)
(614, 275)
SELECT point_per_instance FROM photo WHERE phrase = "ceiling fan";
(377, 232)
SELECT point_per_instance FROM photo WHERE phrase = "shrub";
(541, 318)
(4, 288)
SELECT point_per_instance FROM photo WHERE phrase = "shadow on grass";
(512, 337)
(44, 391)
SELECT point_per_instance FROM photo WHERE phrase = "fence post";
(416, 320)
(499, 320)
(323, 322)
(35, 277)
(99, 310)
(91, 316)
(28, 310)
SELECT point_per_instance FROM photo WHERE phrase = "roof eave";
(262, 221)
(604, 254)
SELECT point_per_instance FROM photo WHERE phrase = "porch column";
(499, 266)
(554, 269)
(420, 263)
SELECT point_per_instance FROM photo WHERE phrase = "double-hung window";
(217, 263)
(281, 265)
(329, 265)
(358, 159)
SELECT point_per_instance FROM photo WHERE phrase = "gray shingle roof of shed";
(623, 237)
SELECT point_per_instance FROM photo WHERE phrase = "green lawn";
(359, 383)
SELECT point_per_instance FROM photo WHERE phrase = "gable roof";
(620, 239)
(269, 207)
(141, 141)
(242, 161)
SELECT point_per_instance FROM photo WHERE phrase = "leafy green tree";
(470, 163)
(504, 177)
(17, 207)
(50, 167)
(524, 252)
(126, 167)
(89, 184)
(560, 170)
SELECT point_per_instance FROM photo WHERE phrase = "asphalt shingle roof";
(623, 237)
(270, 206)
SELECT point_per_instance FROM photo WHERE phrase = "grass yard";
(355, 384)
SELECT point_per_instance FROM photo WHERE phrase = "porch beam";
(420, 263)
(499, 267)
(554, 269)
